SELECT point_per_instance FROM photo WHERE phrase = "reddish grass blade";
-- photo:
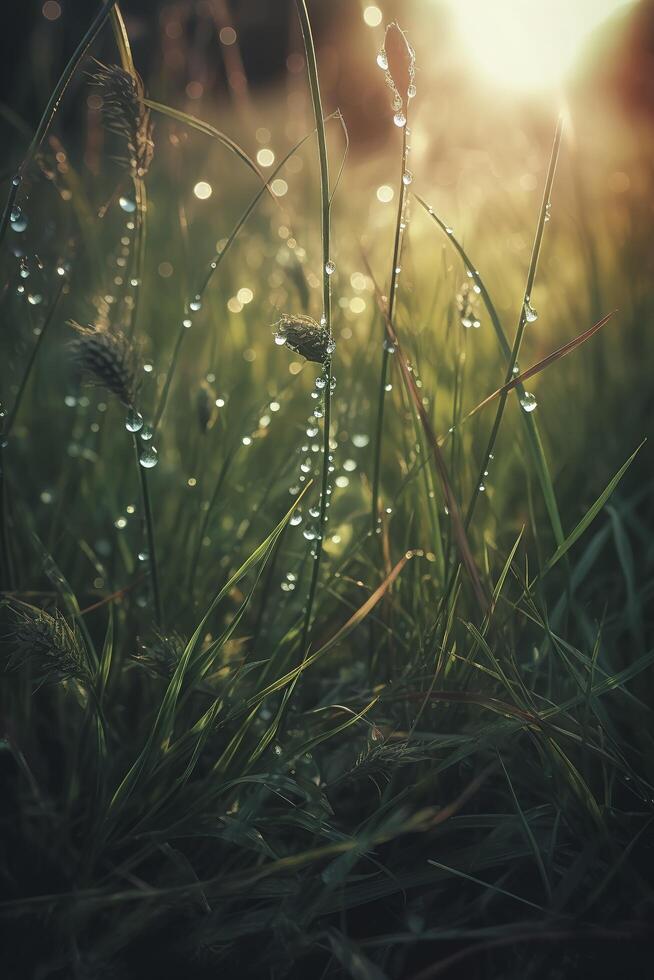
(541, 365)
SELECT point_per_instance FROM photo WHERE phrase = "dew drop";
(411, 91)
(296, 518)
(382, 60)
(34, 299)
(146, 433)
(18, 220)
(530, 313)
(407, 177)
(280, 339)
(528, 402)
(148, 457)
(330, 268)
(195, 304)
(399, 119)
(127, 204)
(360, 440)
(134, 421)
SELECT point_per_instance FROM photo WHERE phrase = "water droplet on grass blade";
(530, 313)
(330, 268)
(127, 204)
(148, 457)
(399, 119)
(528, 402)
(134, 421)
(17, 219)
(382, 60)
(146, 433)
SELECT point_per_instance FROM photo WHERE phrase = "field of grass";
(312, 668)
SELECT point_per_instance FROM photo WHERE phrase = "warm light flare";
(528, 44)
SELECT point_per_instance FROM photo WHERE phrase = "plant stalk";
(397, 252)
(522, 322)
(325, 199)
(149, 530)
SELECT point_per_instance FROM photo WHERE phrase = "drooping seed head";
(106, 357)
(126, 115)
(305, 336)
(49, 641)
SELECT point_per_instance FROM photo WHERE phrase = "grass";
(302, 700)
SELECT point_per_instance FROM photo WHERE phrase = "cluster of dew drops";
(18, 222)
(398, 103)
(310, 453)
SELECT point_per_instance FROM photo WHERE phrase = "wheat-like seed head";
(50, 641)
(126, 115)
(108, 358)
(303, 335)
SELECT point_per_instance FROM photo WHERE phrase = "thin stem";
(213, 266)
(325, 199)
(53, 104)
(397, 251)
(149, 530)
(531, 427)
(8, 569)
(522, 320)
(32, 358)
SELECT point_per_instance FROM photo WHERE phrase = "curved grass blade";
(589, 516)
(209, 130)
(186, 672)
(53, 104)
(213, 266)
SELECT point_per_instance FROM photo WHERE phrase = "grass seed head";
(126, 115)
(305, 336)
(48, 640)
(109, 359)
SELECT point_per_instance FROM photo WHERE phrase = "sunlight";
(528, 44)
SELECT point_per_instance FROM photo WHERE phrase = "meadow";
(327, 557)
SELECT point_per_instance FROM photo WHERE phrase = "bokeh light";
(528, 44)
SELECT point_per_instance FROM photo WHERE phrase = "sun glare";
(528, 44)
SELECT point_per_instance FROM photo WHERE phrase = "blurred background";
(491, 80)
